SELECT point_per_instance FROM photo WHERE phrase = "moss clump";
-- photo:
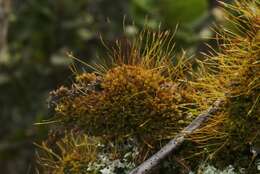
(141, 94)
(77, 153)
(140, 99)
(131, 102)
(72, 154)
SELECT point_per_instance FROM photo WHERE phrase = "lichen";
(82, 154)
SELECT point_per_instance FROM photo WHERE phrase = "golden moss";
(233, 75)
(140, 93)
(132, 101)
(72, 154)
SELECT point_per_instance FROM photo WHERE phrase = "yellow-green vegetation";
(138, 100)
(72, 154)
(144, 96)
(78, 153)
(233, 74)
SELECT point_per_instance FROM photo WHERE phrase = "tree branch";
(153, 162)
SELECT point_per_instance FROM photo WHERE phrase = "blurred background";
(36, 34)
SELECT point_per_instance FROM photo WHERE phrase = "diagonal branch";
(153, 162)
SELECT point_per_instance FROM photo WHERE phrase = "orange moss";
(132, 101)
